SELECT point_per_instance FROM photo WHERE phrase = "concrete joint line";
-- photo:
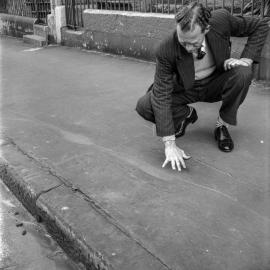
(93, 203)
(46, 191)
(70, 240)
(40, 164)
(6, 171)
(100, 210)
(212, 167)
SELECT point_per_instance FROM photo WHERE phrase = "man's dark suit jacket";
(172, 60)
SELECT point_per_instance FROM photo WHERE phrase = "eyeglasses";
(188, 44)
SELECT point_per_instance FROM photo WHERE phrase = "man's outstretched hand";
(175, 155)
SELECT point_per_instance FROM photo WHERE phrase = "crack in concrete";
(40, 164)
(93, 203)
(212, 167)
(48, 190)
(114, 222)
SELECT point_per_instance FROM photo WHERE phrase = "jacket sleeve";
(161, 96)
(255, 29)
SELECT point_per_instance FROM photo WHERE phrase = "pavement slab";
(71, 113)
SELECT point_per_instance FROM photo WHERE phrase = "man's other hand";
(175, 155)
(232, 62)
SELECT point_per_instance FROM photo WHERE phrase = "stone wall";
(137, 34)
(16, 26)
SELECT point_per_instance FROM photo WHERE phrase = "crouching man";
(193, 64)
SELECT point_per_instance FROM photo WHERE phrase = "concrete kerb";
(20, 173)
(85, 231)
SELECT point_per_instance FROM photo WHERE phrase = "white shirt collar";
(203, 45)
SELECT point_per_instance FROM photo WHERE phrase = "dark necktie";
(200, 54)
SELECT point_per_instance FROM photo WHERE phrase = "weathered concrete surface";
(24, 176)
(82, 125)
(34, 40)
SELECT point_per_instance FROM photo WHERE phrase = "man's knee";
(144, 108)
(241, 76)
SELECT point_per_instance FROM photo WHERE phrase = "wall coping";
(16, 18)
(129, 13)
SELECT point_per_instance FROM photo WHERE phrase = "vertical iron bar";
(252, 8)
(162, 9)
(81, 11)
(214, 5)
(22, 9)
(68, 12)
(262, 8)
(223, 3)
(17, 7)
(242, 7)
(232, 8)
(73, 14)
(37, 9)
(169, 6)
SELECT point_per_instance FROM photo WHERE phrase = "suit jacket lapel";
(185, 65)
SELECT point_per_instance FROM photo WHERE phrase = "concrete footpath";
(77, 155)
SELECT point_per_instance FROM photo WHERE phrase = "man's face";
(191, 40)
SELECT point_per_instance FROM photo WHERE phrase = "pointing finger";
(182, 162)
(165, 163)
(178, 165)
(173, 164)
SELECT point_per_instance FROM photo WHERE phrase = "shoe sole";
(192, 122)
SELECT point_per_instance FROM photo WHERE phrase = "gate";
(74, 12)
(75, 8)
(28, 8)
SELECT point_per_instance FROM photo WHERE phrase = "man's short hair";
(188, 16)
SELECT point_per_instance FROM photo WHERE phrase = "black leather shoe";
(191, 119)
(222, 136)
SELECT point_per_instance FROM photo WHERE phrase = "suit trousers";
(230, 87)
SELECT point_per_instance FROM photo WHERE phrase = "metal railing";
(75, 8)
(28, 8)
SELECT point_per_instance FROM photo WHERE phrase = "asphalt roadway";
(70, 115)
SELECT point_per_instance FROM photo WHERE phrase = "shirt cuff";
(168, 138)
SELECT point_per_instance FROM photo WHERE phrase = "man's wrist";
(168, 138)
(169, 144)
